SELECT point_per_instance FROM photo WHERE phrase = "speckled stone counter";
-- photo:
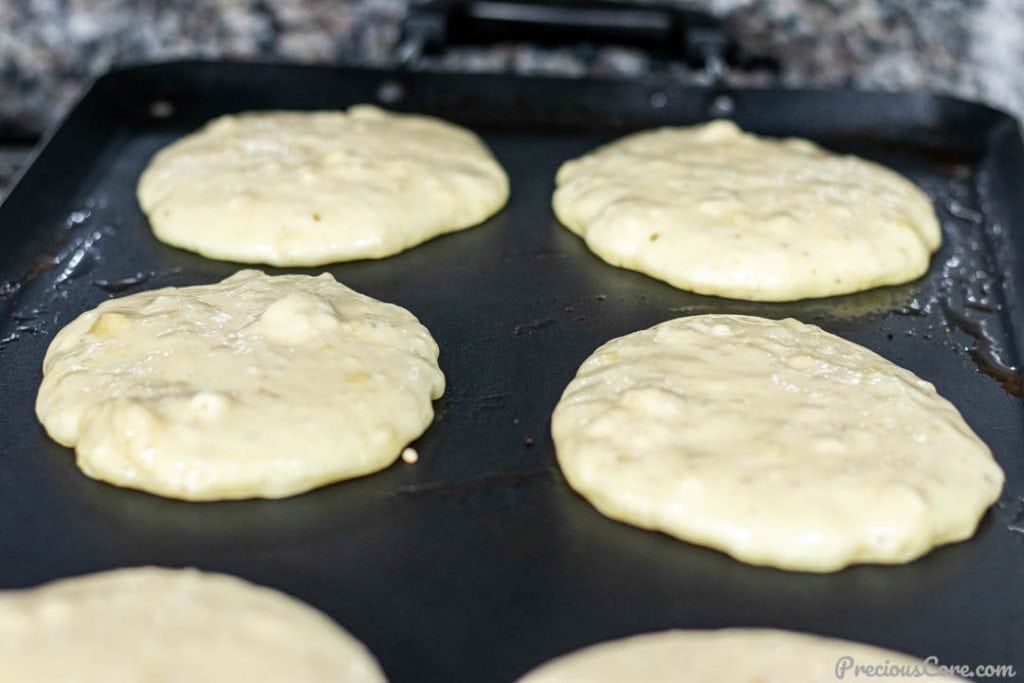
(50, 49)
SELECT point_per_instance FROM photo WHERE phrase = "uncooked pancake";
(308, 188)
(167, 625)
(254, 386)
(714, 210)
(738, 655)
(773, 441)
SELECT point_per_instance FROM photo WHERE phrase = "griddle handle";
(693, 37)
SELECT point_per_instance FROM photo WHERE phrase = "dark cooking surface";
(478, 563)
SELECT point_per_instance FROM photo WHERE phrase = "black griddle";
(478, 562)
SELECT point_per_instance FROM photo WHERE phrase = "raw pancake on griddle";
(735, 655)
(172, 626)
(773, 441)
(714, 210)
(294, 188)
(255, 386)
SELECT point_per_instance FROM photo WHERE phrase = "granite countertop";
(49, 50)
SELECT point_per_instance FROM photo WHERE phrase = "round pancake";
(254, 386)
(773, 441)
(737, 655)
(714, 210)
(308, 188)
(167, 625)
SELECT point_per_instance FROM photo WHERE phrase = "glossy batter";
(714, 210)
(255, 386)
(772, 441)
(172, 626)
(308, 188)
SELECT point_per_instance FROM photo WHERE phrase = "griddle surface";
(478, 562)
